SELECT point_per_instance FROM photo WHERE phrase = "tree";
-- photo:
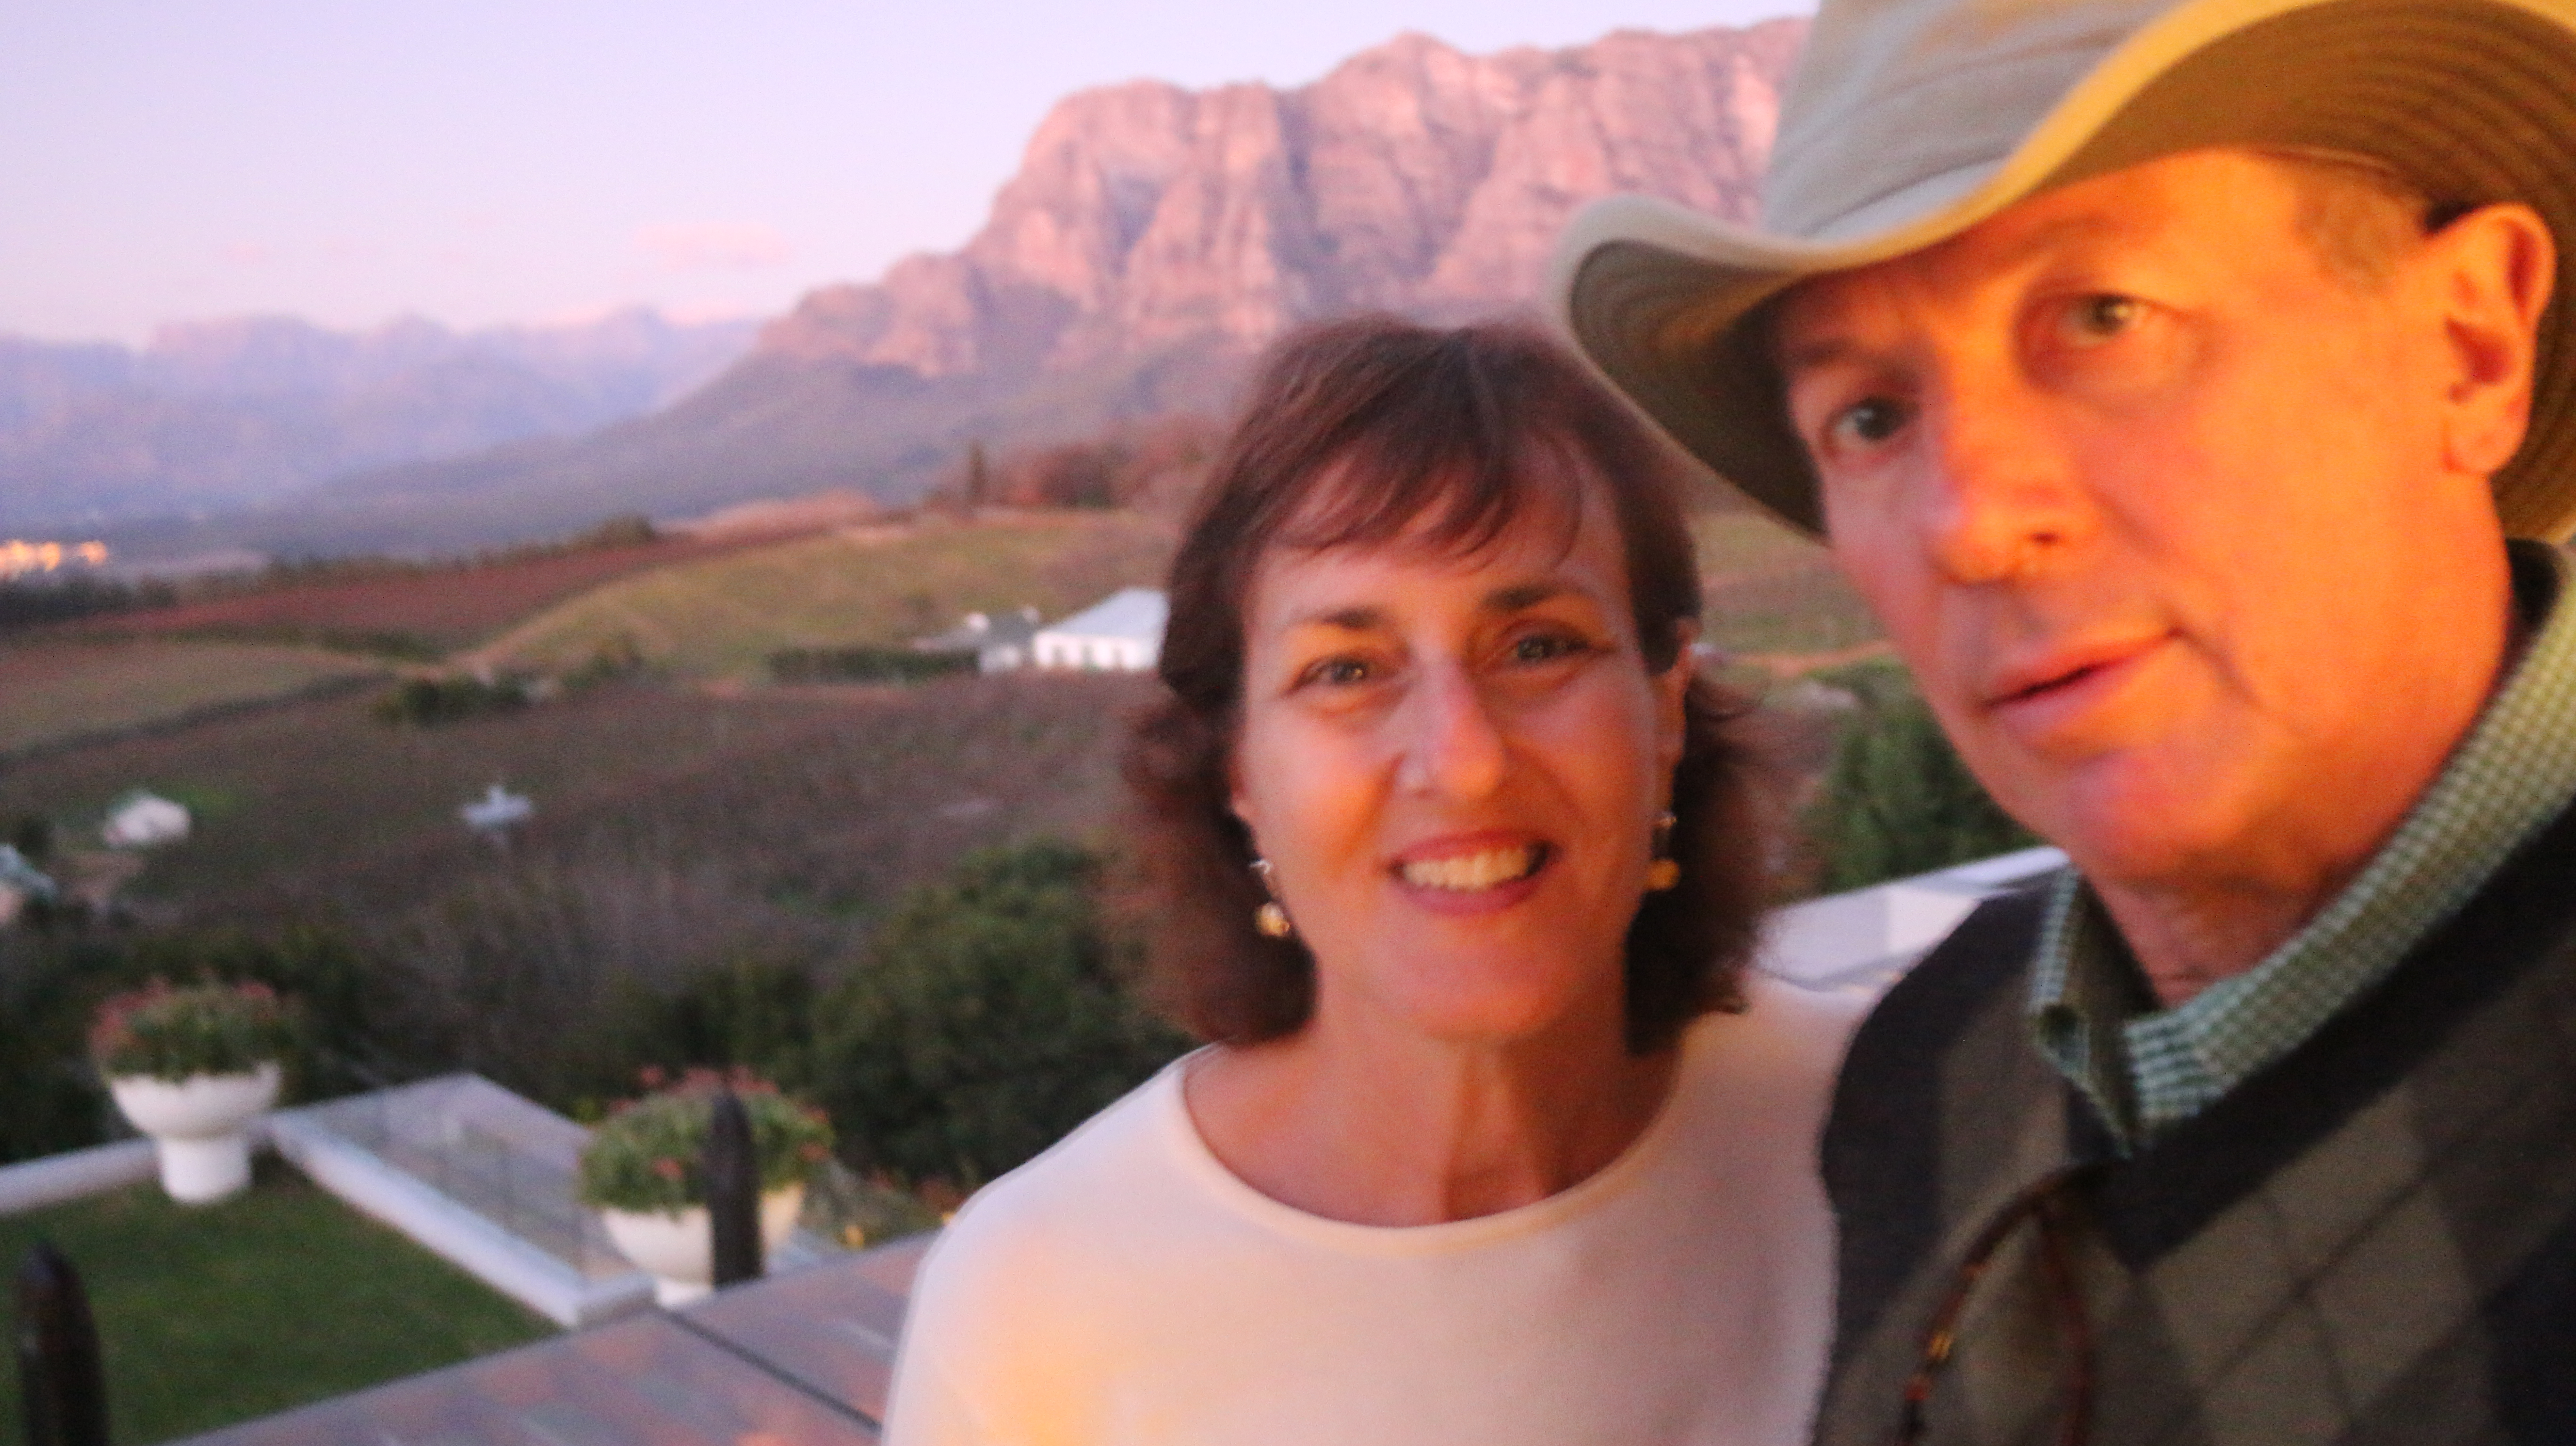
(991, 1018)
(1896, 800)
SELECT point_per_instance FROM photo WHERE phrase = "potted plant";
(644, 1171)
(193, 1067)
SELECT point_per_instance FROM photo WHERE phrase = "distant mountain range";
(1153, 238)
(224, 415)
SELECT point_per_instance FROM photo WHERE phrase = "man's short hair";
(2360, 216)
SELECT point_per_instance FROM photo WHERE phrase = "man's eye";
(1541, 648)
(1545, 647)
(2097, 318)
(1870, 421)
(1338, 672)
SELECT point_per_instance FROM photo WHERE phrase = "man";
(2170, 378)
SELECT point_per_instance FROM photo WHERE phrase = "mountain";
(1412, 177)
(1153, 238)
(254, 410)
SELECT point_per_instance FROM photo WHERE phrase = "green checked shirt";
(2147, 1069)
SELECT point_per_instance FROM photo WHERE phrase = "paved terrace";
(795, 1360)
(803, 1359)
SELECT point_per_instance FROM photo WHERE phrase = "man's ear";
(2493, 270)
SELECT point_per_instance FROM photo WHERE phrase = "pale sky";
(489, 161)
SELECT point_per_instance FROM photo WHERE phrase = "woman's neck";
(1385, 1128)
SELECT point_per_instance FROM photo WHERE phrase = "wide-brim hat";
(1910, 121)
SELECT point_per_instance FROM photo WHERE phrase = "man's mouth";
(2046, 686)
(1466, 873)
(2065, 672)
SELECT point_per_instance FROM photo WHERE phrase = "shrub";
(31, 603)
(429, 702)
(627, 529)
(992, 1016)
(864, 665)
(616, 657)
(173, 1033)
(650, 1154)
(1896, 800)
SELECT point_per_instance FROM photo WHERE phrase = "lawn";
(63, 690)
(724, 616)
(284, 1295)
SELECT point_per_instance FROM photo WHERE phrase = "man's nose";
(2004, 497)
(1452, 740)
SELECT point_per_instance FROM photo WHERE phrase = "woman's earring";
(1663, 873)
(1270, 919)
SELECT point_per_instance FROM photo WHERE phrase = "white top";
(1125, 1287)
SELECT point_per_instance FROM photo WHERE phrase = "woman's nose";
(1452, 743)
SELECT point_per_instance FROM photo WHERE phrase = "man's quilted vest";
(2372, 1240)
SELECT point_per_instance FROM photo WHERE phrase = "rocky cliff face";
(1412, 177)
(1152, 239)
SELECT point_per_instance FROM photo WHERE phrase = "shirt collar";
(2145, 1069)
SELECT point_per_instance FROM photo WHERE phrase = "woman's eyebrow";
(1521, 595)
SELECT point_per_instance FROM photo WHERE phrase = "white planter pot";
(200, 1126)
(677, 1248)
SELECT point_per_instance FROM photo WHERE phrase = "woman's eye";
(1338, 672)
(2098, 318)
(1869, 421)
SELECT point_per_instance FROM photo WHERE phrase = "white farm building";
(142, 820)
(1121, 633)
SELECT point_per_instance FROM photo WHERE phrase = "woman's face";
(1453, 763)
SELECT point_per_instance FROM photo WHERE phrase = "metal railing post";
(59, 1376)
(733, 1192)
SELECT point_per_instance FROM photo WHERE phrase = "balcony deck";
(795, 1360)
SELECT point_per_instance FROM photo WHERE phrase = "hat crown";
(1899, 107)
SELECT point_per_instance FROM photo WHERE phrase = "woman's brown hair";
(1358, 432)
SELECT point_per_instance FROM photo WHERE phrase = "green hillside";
(722, 617)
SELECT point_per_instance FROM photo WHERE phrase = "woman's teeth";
(1464, 872)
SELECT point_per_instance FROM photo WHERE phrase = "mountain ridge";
(1151, 240)
(242, 411)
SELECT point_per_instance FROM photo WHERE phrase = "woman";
(1457, 864)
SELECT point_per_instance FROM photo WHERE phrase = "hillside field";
(440, 606)
(884, 584)
(60, 690)
(1771, 593)
(835, 795)
(833, 798)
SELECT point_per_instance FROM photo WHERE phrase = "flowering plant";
(171, 1033)
(650, 1153)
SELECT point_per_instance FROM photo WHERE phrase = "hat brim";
(2472, 101)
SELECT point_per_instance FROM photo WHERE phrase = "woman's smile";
(1462, 873)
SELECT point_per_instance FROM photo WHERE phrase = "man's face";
(2157, 510)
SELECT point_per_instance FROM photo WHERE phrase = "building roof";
(1133, 613)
